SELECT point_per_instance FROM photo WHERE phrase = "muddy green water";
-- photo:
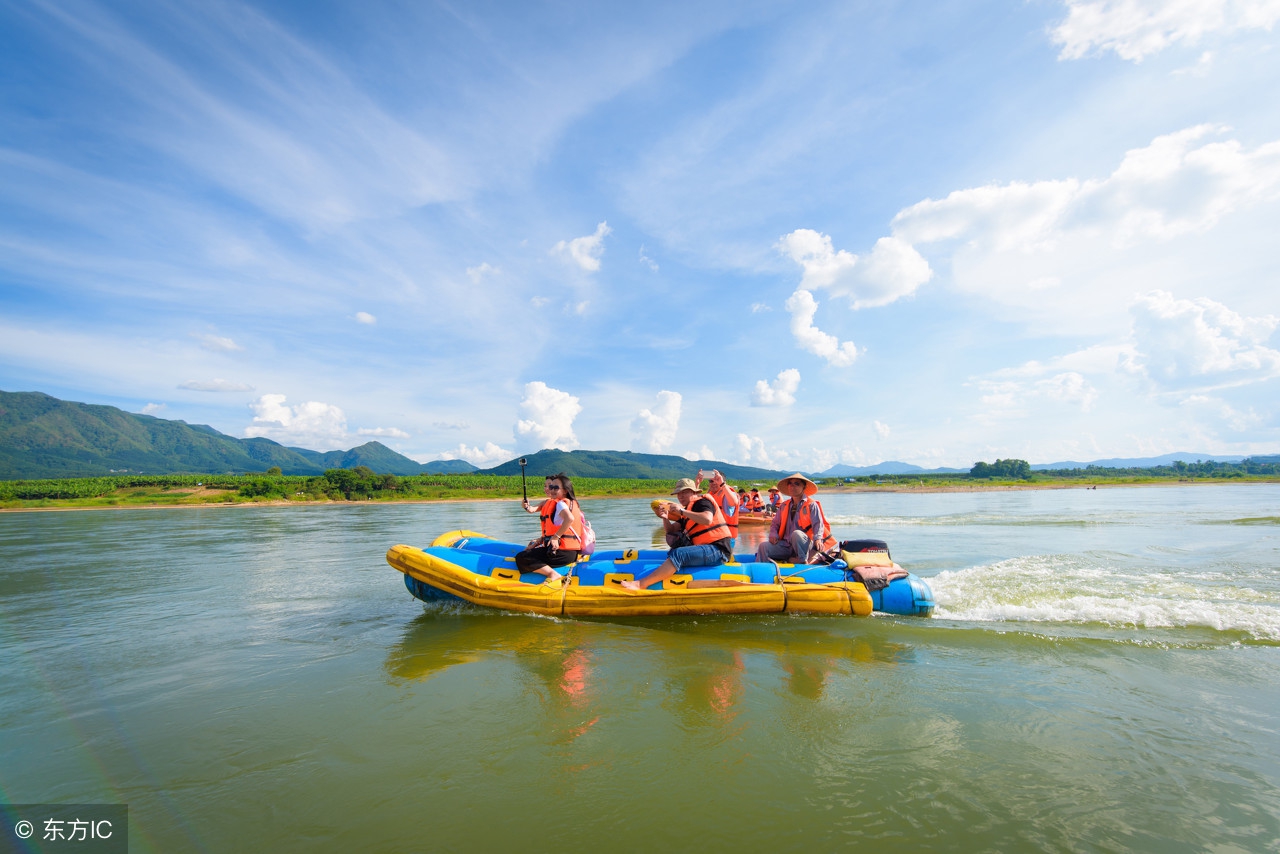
(1103, 675)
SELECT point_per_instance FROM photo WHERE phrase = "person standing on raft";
(561, 539)
(701, 534)
(727, 499)
(799, 529)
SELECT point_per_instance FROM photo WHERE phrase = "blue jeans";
(694, 556)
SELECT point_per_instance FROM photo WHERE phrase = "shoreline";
(837, 490)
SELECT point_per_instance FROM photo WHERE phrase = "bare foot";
(630, 585)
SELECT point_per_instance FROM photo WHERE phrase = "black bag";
(865, 546)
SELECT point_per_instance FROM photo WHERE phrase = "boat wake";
(1083, 589)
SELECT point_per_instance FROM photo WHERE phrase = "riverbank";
(152, 498)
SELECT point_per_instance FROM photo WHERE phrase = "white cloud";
(1135, 29)
(1014, 396)
(585, 251)
(1225, 412)
(152, 408)
(388, 432)
(882, 430)
(803, 307)
(781, 392)
(450, 425)
(703, 453)
(750, 450)
(655, 429)
(1201, 342)
(311, 424)
(1170, 188)
(218, 385)
(647, 261)
(366, 318)
(481, 272)
(757, 307)
(1072, 252)
(487, 457)
(217, 343)
(893, 270)
(547, 420)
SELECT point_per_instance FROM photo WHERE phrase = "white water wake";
(1082, 589)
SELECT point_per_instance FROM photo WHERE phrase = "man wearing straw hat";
(799, 529)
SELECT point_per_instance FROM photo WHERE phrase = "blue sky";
(778, 234)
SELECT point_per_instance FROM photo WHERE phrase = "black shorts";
(535, 556)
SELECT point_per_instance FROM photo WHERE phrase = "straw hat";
(684, 483)
(810, 487)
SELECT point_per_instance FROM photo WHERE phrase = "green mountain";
(629, 464)
(43, 437)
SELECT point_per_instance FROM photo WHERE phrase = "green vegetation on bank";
(363, 484)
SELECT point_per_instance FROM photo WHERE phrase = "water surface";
(1101, 676)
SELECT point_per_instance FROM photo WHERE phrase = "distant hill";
(889, 467)
(629, 464)
(43, 437)
(1143, 462)
(448, 467)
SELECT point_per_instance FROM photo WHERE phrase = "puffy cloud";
(803, 307)
(1169, 188)
(218, 385)
(152, 408)
(882, 430)
(750, 450)
(703, 453)
(487, 457)
(647, 261)
(366, 318)
(481, 272)
(310, 424)
(1069, 387)
(585, 251)
(1135, 29)
(547, 420)
(781, 392)
(217, 343)
(894, 269)
(1200, 342)
(655, 428)
(387, 432)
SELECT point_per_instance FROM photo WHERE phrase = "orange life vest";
(706, 534)
(753, 502)
(804, 522)
(570, 540)
(727, 500)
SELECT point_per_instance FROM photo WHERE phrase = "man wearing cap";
(799, 529)
(705, 540)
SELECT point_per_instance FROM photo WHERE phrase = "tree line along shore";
(363, 484)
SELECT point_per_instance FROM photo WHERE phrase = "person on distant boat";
(561, 539)
(754, 502)
(799, 529)
(775, 498)
(701, 534)
(727, 499)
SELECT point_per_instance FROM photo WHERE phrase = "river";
(1102, 674)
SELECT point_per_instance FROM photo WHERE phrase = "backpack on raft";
(588, 536)
(869, 561)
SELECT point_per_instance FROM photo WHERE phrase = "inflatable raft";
(467, 566)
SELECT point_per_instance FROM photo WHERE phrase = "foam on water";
(1083, 589)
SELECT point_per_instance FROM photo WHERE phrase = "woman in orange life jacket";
(727, 499)
(757, 506)
(706, 534)
(799, 529)
(561, 539)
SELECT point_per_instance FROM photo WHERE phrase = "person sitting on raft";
(799, 529)
(775, 498)
(700, 532)
(727, 499)
(561, 539)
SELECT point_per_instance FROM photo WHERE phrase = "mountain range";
(43, 437)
